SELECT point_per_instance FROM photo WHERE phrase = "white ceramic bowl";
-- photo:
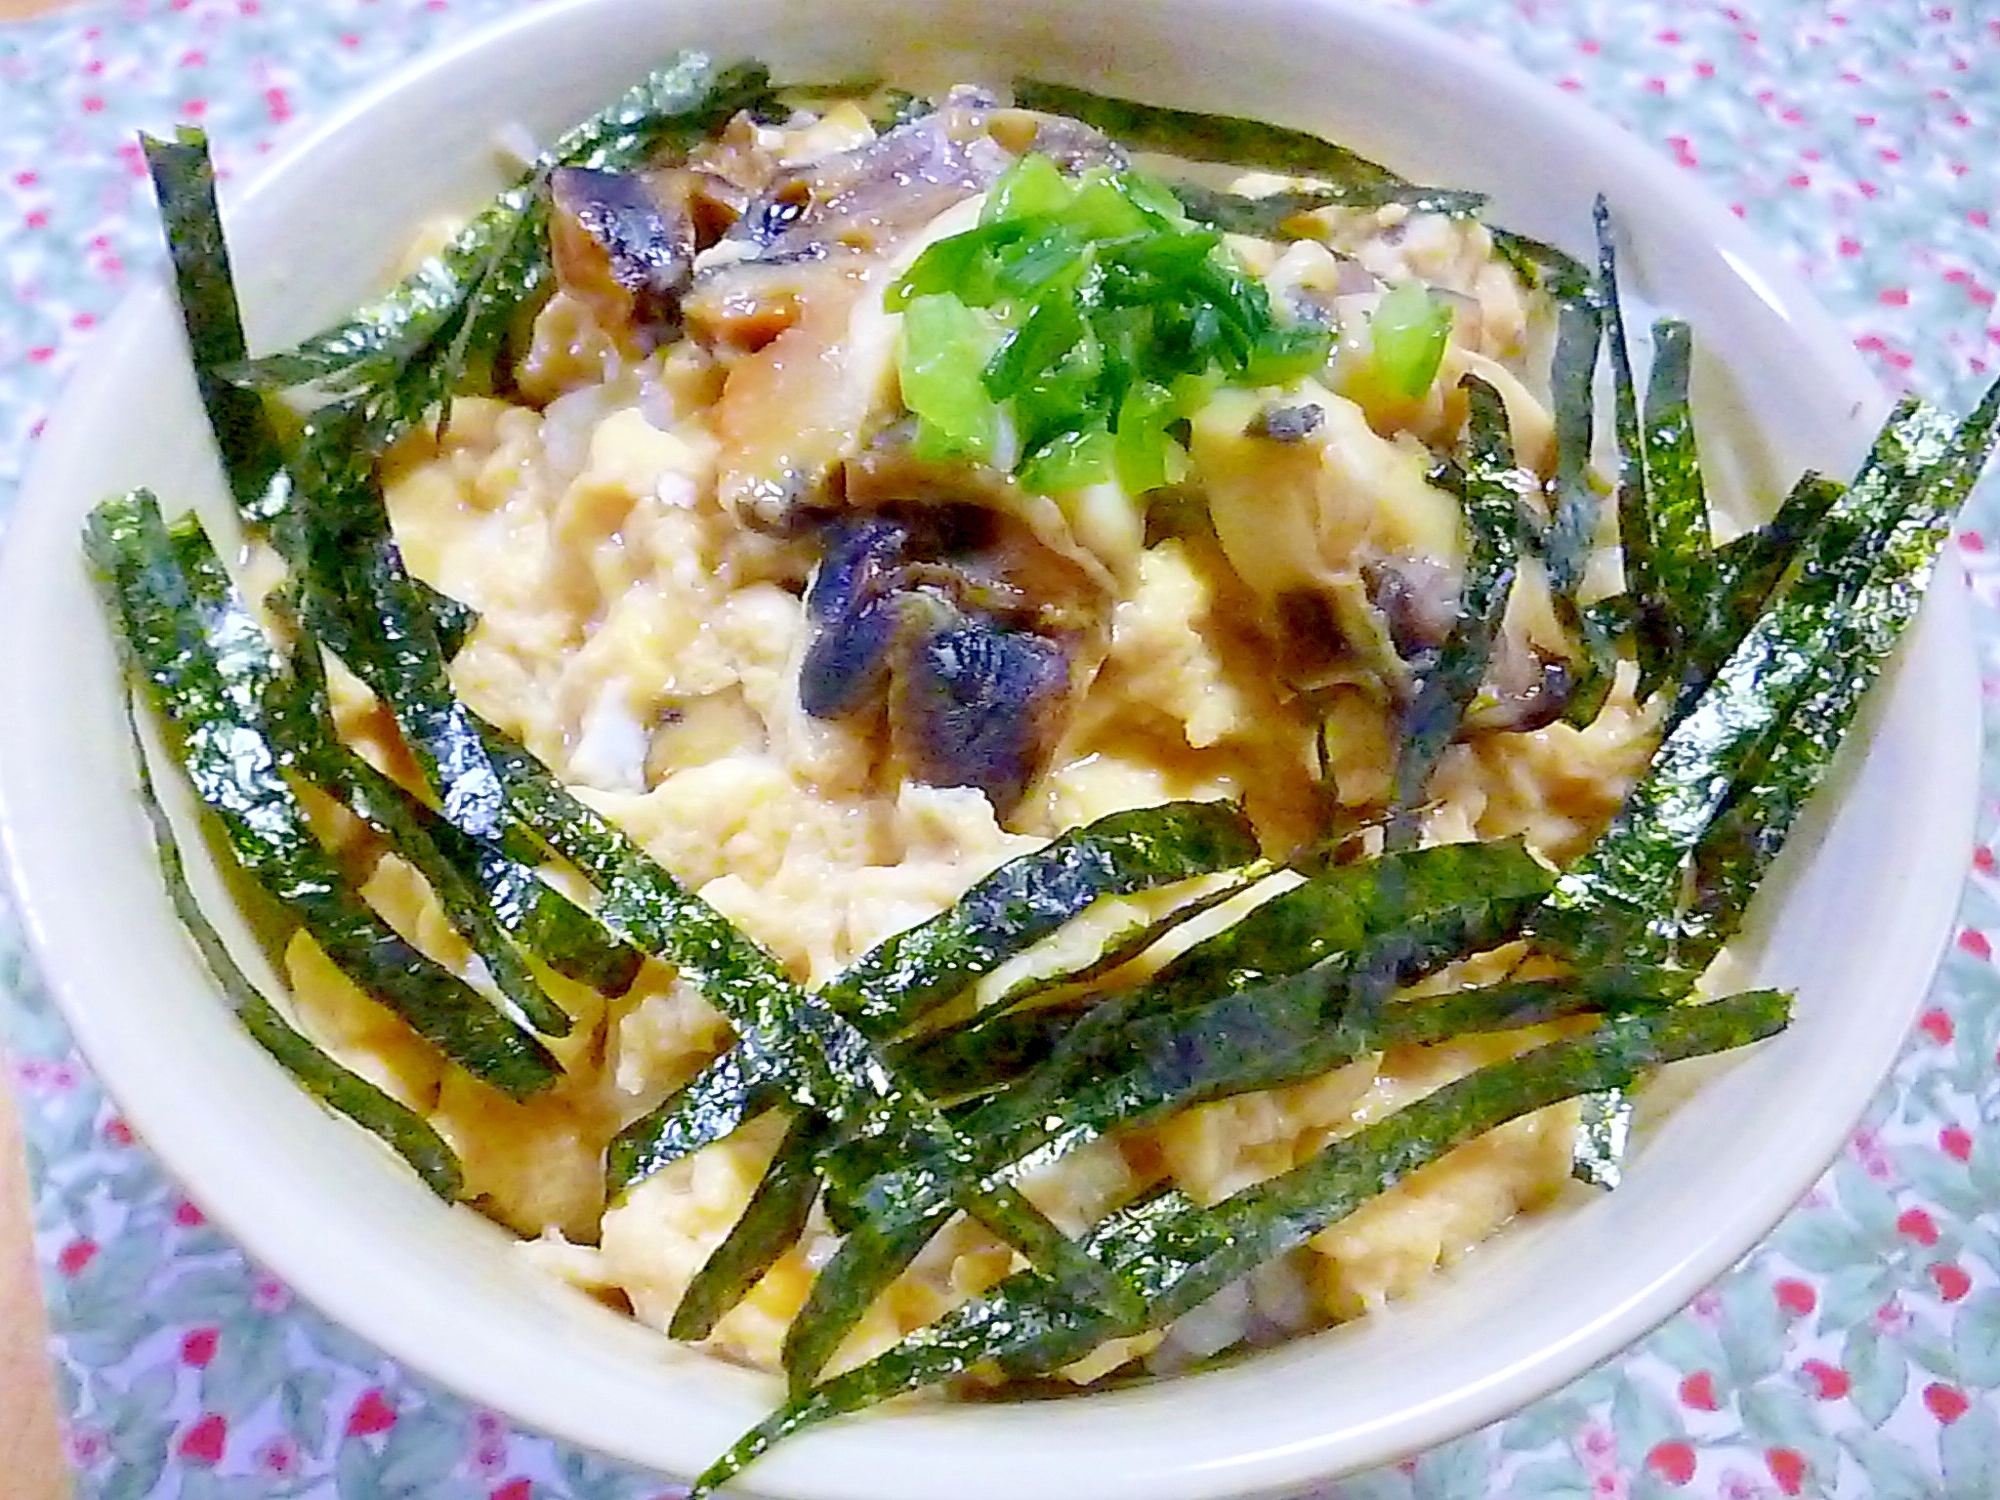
(1857, 926)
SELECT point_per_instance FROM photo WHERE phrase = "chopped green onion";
(1406, 339)
(1033, 186)
(1146, 455)
(1279, 355)
(945, 347)
(1071, 461)
(1052, 335)
(1103, 209)
(1106, 297)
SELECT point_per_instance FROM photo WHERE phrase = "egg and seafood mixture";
(1002, 736)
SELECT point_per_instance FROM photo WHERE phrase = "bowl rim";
(27, 545)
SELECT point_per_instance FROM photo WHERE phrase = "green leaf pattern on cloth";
(1854, 1355)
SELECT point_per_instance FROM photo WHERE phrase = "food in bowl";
(920, 529)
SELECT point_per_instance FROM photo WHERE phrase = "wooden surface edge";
(31, 1458)
(23, 10)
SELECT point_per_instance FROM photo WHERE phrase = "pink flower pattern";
(1857, 1352)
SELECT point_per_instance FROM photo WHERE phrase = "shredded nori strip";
(1638, 542)
(254, 454)
(1282, 1032)
(1123, 946)
(1029, 897)
(645, 906)
(184, 181)
(1338, 911)
(1741, 576)
(1018, 1030)
(394, 1123)
(311, 743)
(1574, 503)
(1181, 1254)
(1623, 899)
(1187, 1258)
(769, 1225)
(323, 513)
(1543, 267)
(1490, 490)
(1741, 842)
(359, 598)
(1266, 215)
(737, 1086)
(870, 1256)
(957, 1062)
(1603, 1133)
(208, 666)
(541, 919)
(1683, 543)
(1353, 179)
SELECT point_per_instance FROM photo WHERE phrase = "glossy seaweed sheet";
(1851, 584)
(1491, 491)
(1350, 179)
(1181, 1253)
(206, 668)
(906, 1102)
(402, 1129)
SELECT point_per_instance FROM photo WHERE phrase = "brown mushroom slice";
(744, 306)
(810, 219)
(791, 411)
(872, 198)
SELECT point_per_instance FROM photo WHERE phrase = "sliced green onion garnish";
(945, 347)
(1105, 296)
(1071, 461)
(1033, 186)
(1406, 339)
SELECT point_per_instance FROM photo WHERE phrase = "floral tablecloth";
(1857, 1354)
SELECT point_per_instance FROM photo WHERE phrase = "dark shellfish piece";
(1525, 689)
(622, 249)
(854, 613)
(977, 704)
(871, 198)
(916, 618)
